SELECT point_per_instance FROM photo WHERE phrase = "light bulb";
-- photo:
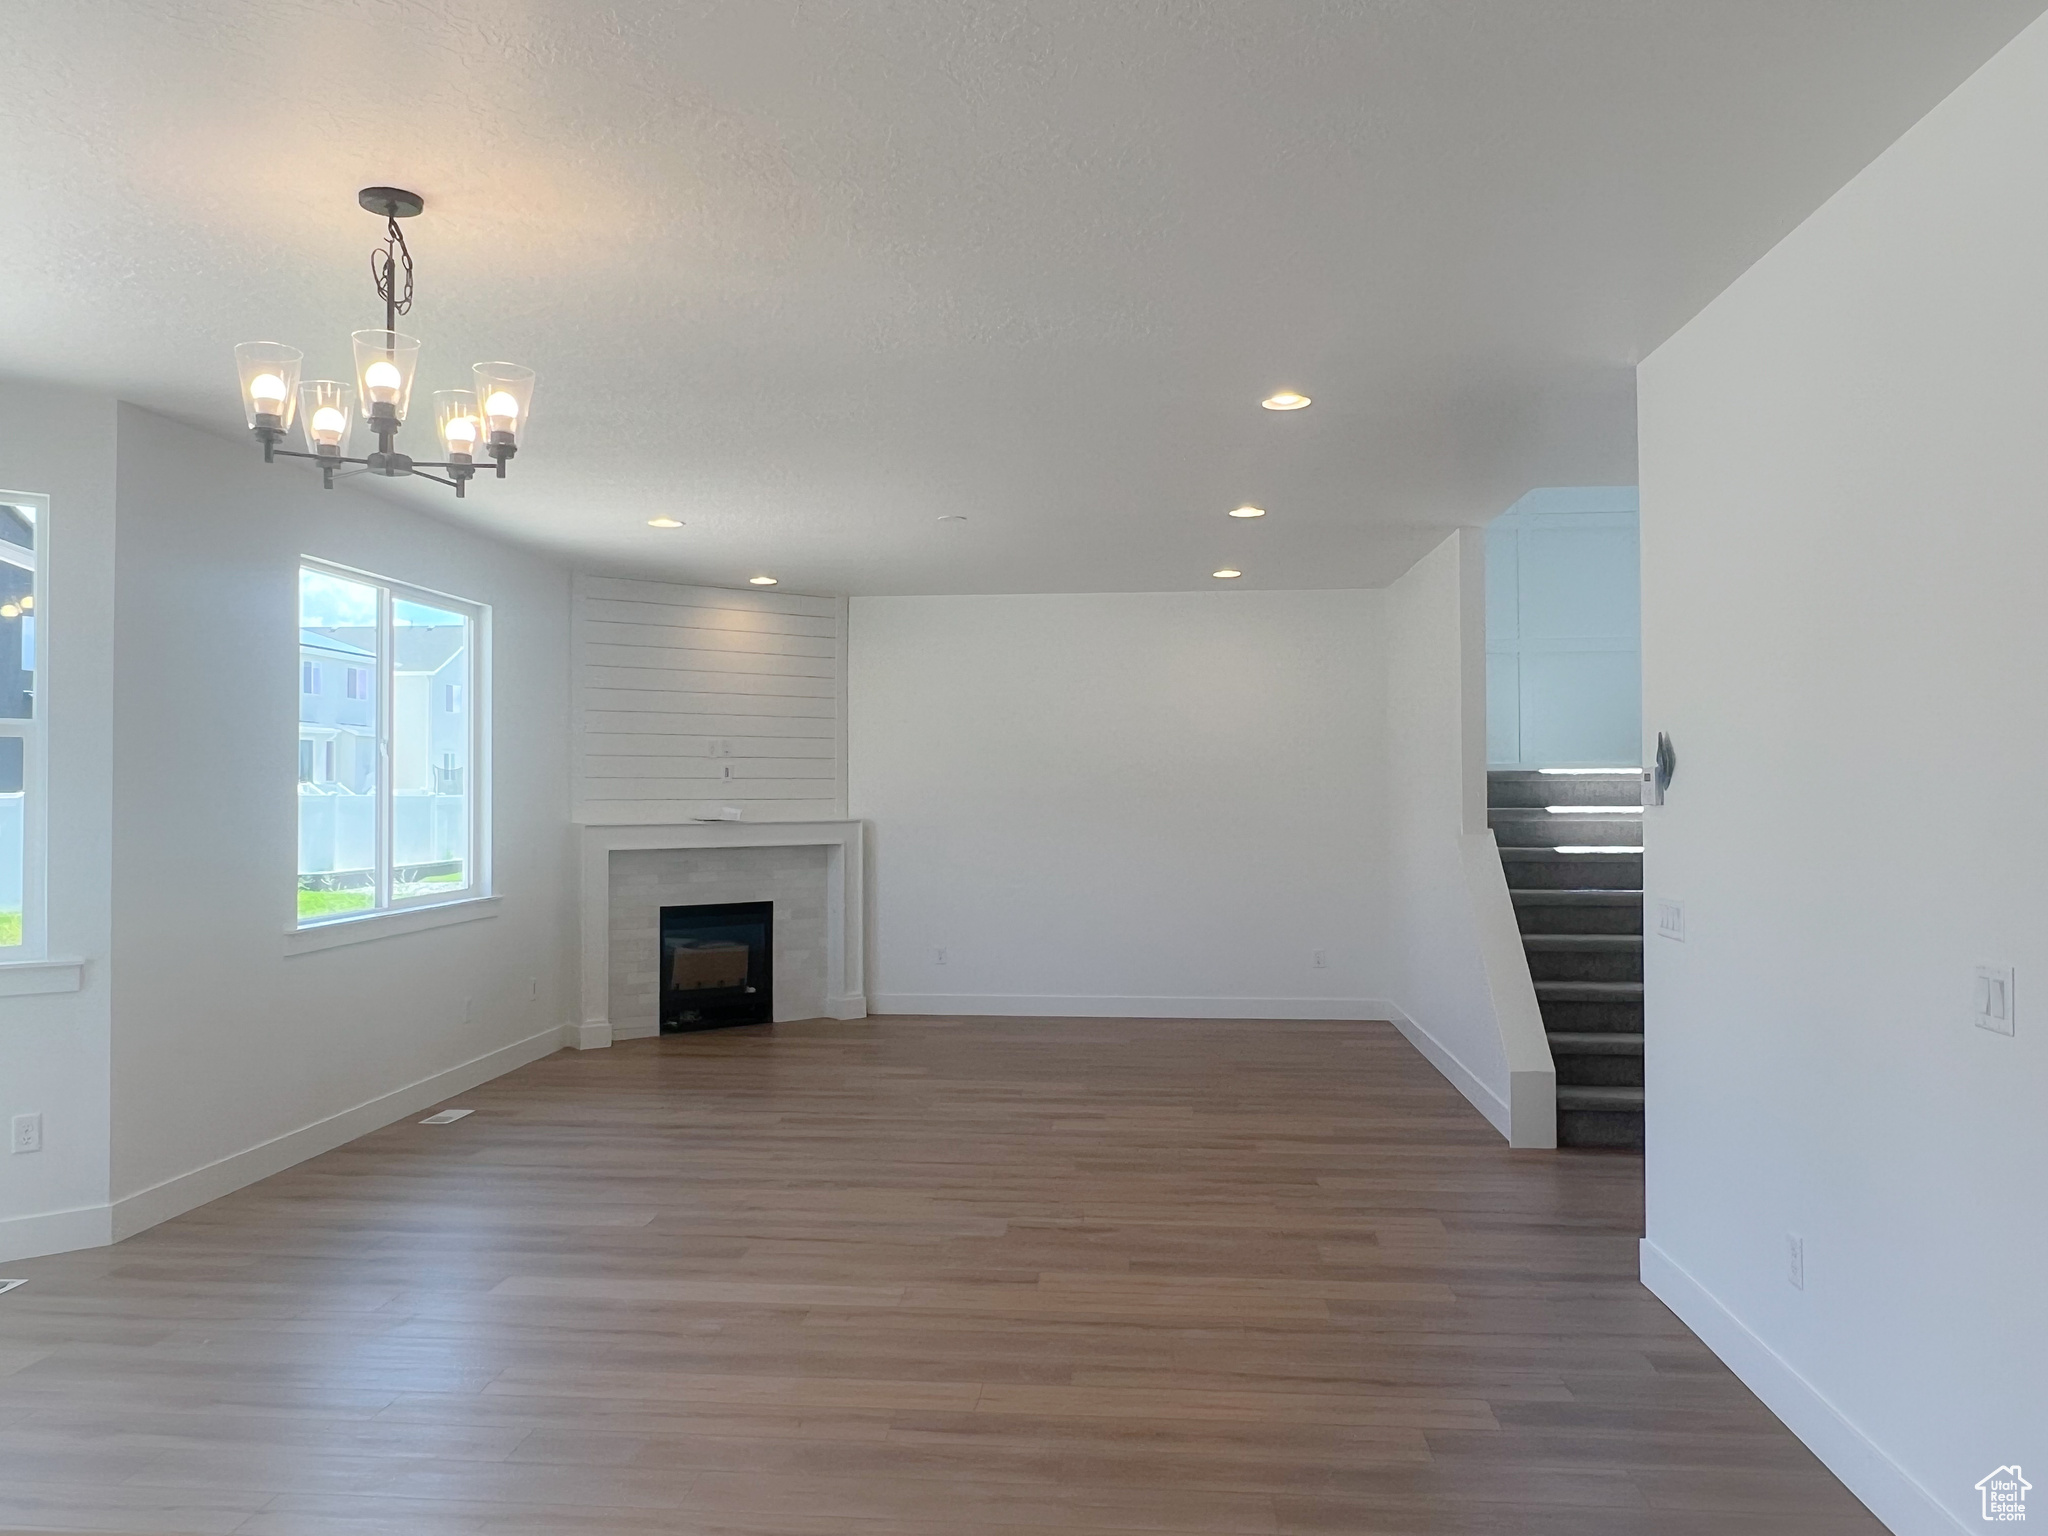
(502, 411)
(9, 611)
(461, 434)
(266, 390)
(1287, 400)
(28, 602)
(328, 425)
(382, 380)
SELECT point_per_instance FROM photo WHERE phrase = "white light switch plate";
(1991, 999)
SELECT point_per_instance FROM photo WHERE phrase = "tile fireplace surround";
(810, 869)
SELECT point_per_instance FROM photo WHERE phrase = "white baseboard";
(173, 1197)
(1008, 1005)
(1462, 1077)
(30, 1237)
(851, 1006)
(592, 1036)
(1892, 1493)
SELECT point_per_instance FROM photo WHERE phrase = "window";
(389, 811)
(22, 518)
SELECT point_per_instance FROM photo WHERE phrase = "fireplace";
(717, 965)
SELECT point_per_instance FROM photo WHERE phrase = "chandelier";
(476, 426)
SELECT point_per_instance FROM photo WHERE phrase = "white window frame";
(478, 891)
(33, 734)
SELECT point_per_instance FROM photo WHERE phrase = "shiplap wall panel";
(693, 698)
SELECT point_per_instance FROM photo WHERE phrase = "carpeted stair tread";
(1537, 897)
(1618, 941)
(1548, 855)
(1572, 1042)
(1591, 991)
(1602, 1098)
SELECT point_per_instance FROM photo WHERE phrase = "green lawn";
(325, 903)
(10, 929)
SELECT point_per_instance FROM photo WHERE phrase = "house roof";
(315, 640)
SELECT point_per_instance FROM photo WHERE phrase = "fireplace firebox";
(717, 965)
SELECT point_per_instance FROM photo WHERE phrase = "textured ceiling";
(812, 275)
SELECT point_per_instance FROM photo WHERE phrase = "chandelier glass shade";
(270, 383)
(473, 427)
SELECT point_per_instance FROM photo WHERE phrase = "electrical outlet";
(1795, 1260)
(1320, 960)
(28, 1133)
(1991, 999)
(1671, 920)
(938, 957)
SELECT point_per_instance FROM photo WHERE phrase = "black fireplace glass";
(716, 965)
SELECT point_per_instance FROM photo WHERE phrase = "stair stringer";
(1524, 1043)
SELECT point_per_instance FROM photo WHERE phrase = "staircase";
(1581, 914)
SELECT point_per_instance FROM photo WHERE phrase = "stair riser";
(1594, 965)
(1570, 874)
(1599, 1128)
(1563, 919)
(1598, 1071)
(1513, 829)
(1603, 1016)
(1506, 789)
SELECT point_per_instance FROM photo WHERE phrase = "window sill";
(338, 931)
(28, 978)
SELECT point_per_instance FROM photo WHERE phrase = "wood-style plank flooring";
(907, 1277)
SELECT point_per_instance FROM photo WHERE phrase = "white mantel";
(845, 987)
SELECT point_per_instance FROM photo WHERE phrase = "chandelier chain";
(386, 263)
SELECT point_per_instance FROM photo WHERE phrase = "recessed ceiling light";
(1286, 400)
(663, 522)
(1247, 511)
(761, 581)
(1226, 574)
(953, 517)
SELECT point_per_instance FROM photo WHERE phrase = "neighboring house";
(430, 728)
(337, 713)
(430, 735)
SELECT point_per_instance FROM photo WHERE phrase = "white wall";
(229, 1058)
(1156, 803)
(1844, 543)
(1456, 970)
(54, 1049)
(1564, 630)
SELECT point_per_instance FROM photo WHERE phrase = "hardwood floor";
(907, 1277)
